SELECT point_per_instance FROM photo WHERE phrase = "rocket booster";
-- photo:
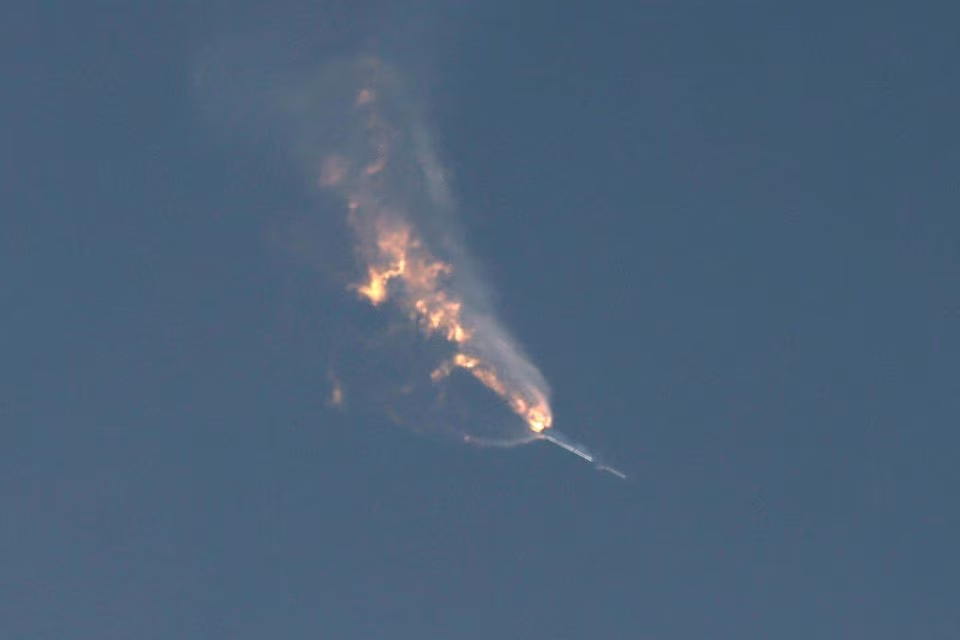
(577, 449)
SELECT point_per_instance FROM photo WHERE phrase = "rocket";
(557, 438)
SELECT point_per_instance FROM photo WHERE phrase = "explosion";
(400, 267)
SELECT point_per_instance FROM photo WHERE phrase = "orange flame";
(397, 258)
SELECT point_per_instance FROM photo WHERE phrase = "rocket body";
(577, 449)
(557, 438)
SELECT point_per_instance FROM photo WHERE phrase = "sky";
(726, 233)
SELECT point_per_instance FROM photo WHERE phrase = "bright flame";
(398, 262)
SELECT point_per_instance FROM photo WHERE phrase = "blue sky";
(727, 233)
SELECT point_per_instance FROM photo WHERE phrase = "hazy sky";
(726, 232)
